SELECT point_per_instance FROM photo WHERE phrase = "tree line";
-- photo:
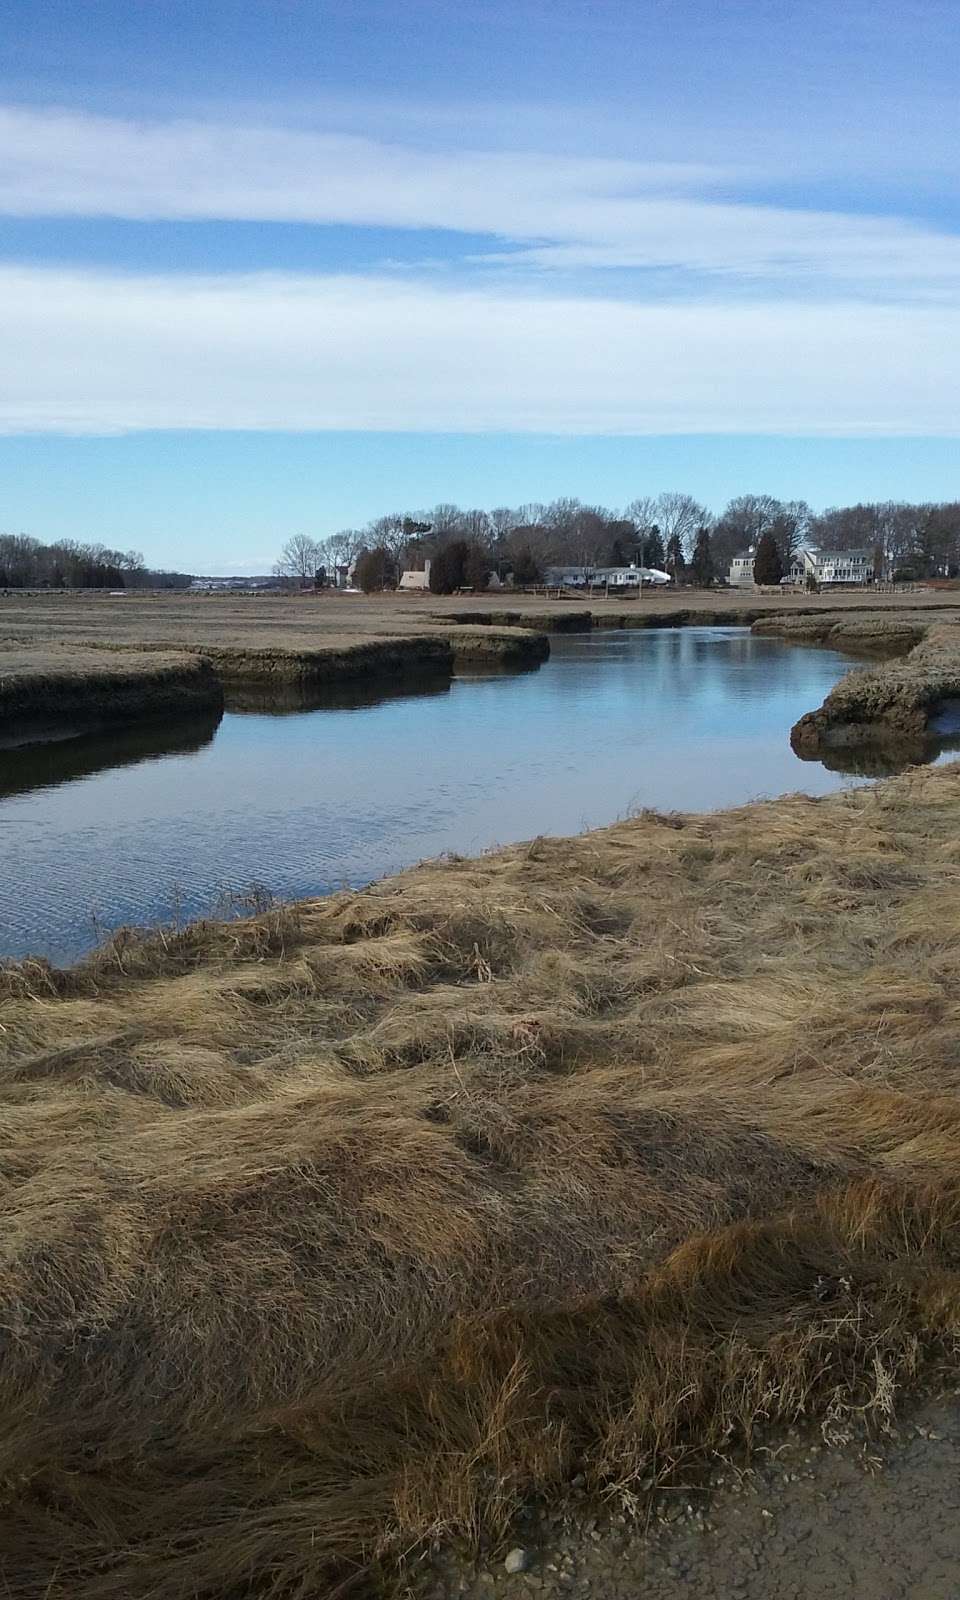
(672, 532)
(26, 563)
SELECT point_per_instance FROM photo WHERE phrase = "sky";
(279, 267)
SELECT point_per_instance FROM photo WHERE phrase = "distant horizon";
(456, 520)
(183, 501)
(266, 270)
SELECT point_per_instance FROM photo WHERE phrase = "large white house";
(828, 567)
(825, 567)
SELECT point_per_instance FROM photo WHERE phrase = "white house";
(825, 567)
(741, 570)
(604, 577)
(845, 566)
(828, 567)
(803, 565)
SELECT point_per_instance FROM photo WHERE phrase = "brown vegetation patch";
(887, 707)
(89, 684)
(363, 1220)
(873, 633)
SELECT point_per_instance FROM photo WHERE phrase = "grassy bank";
(873, 632)
(88, 684)
(71, 685)
(362, 1221)
(883, 708)
(337, 661)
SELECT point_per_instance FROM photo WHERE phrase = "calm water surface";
(304, 797)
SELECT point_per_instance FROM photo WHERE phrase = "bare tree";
(680, 516)
(589, 538)
(850, 527)
(339, 551)
(388, 533)
(749, 516)
(642, 512)
(299, 559)
(476, 525)
(447, 521)
(922, 538)
(501, 520)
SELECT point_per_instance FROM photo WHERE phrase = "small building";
(568, 577)
(604, 577)
(803, 565)
(416, 579)
(741, 570)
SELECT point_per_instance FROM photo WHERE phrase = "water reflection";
(41, 766)
(293, 699)
(336, 788)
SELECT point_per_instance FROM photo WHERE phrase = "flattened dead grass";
(360, 1222)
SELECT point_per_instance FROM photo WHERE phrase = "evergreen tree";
(676, 563)
(375, 570)
(767, 565)
(525, 568)
(448, 568)
(702, 563)
(477, 569)
(653, 554)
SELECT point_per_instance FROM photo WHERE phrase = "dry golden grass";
(281, 622)
(361, 1221)
(273, 639)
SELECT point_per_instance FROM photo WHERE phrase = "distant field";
(279, 622)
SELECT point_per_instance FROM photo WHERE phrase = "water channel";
(297, 795)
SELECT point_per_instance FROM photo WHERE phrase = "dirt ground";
(878, 1521)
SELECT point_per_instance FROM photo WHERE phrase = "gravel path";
(879, 1522)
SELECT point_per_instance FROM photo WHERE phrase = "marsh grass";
(880, 716)
(85, 683)
(361, 1222)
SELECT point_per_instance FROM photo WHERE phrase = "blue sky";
(279, 267)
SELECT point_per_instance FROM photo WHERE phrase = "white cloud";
(566, 212)
(74, 164)
(94, 353)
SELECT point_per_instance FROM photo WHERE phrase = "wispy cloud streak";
(556, 212)
(97, 353)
